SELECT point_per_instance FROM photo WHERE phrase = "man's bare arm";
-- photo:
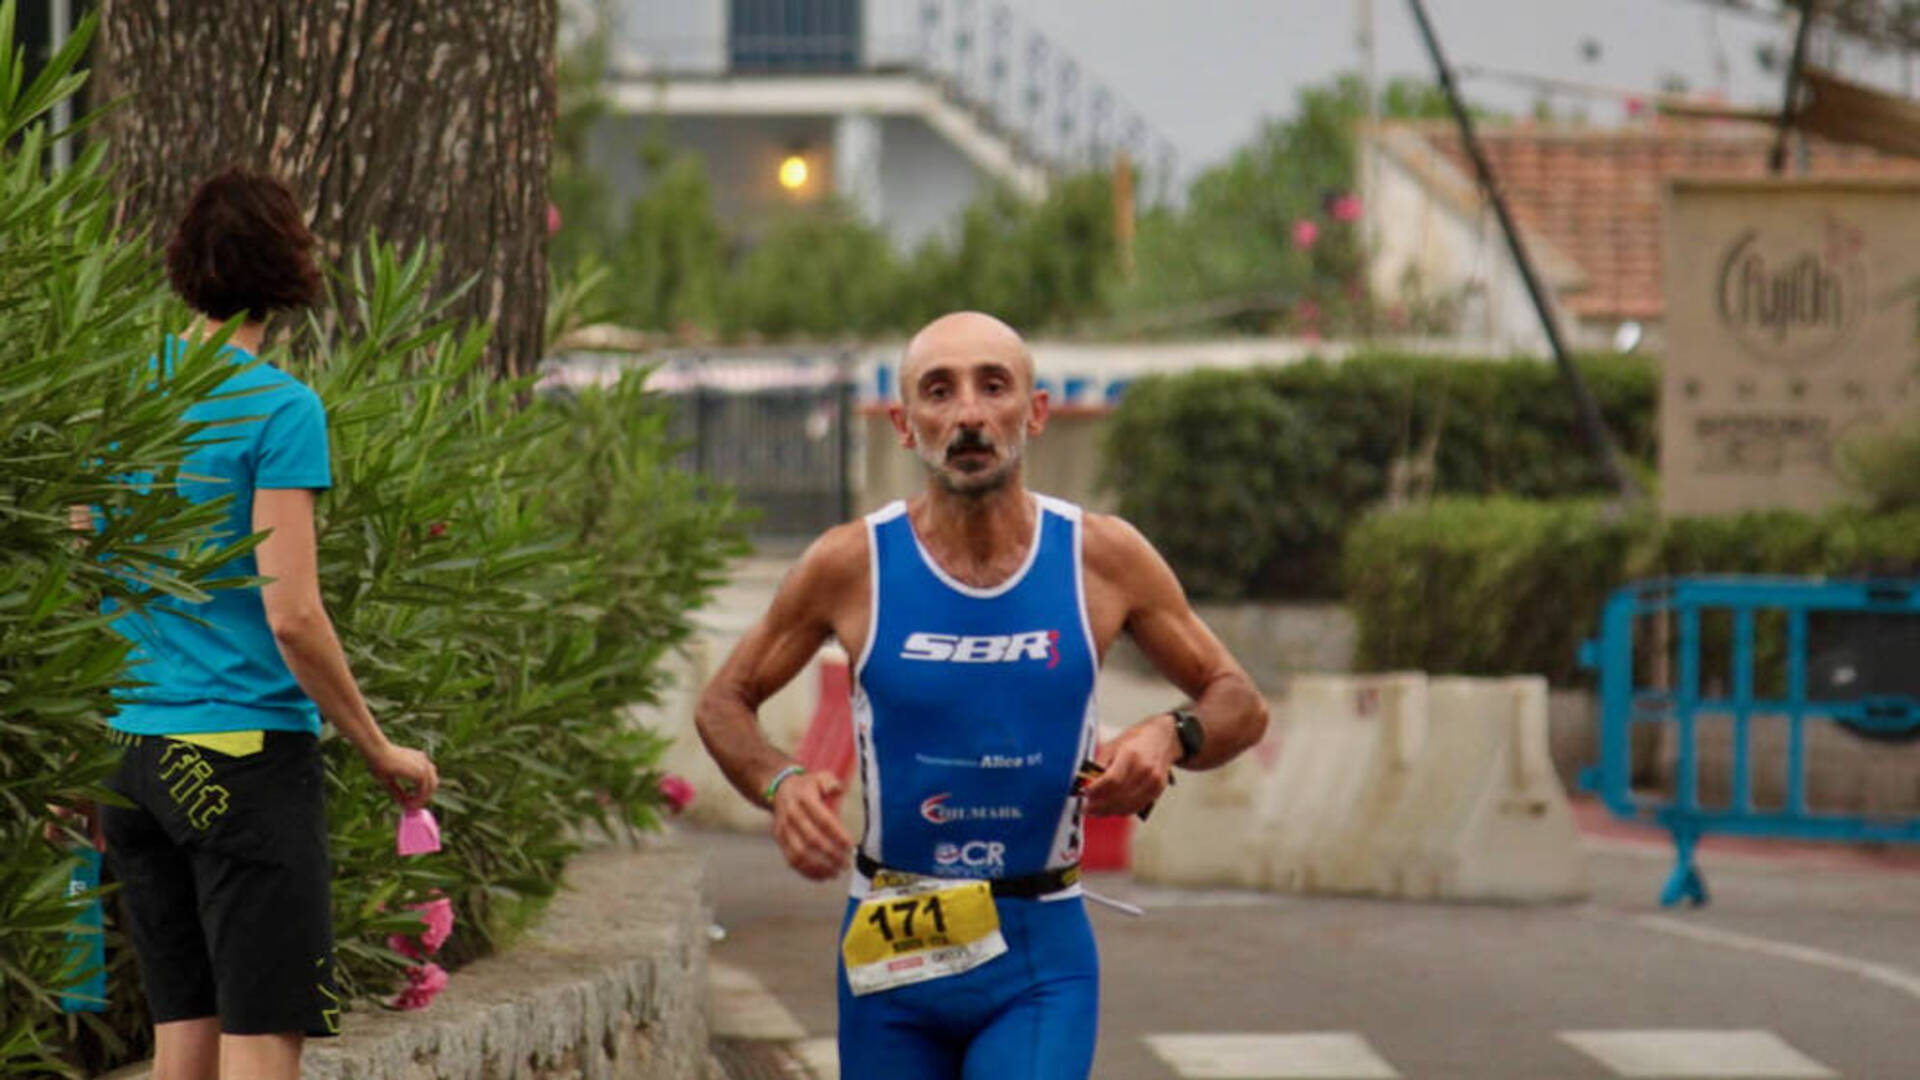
(766, 658)
(1163, 624)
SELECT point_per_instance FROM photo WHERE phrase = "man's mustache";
(968, 439)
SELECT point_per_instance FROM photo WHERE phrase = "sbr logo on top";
(983, 648)
(935, 809)
(975, 856)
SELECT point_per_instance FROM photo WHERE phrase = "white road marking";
(1335, 1055)
(1686, 1055)
(1886, 974)
(820, 1056)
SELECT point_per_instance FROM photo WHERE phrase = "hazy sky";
(1204, 72)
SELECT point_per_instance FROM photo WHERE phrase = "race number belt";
(925, 928)
(1024, 887)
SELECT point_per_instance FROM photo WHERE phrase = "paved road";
(1798, 969)
(1807, 964)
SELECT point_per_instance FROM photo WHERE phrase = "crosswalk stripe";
(820, 1056)
(1674, 1054)
(1330, 1055)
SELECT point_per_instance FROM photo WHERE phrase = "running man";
(979, 613)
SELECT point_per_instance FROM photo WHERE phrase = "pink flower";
(553, 219)
(403, 945)
(1305, 233)
(1345, 208)
(676, 791)
(424, 983)
(438, 915)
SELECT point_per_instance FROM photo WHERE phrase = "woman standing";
(223, 855)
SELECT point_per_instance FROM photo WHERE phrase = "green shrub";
(1037, 265)
(505, 579)
(1501, 586)
(1468, 427)
(1178, 450)
(82, 423)
(505, 573)
(818, 273)
(1884, 467)
(1485, 586)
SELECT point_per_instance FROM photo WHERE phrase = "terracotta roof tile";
(1595, 194)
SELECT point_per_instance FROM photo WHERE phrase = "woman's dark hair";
(241, 246)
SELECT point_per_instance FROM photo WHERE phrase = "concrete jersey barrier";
(1385, 785)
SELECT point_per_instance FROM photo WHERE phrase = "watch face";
(1192, 735)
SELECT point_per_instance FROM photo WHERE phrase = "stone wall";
(1272, 641)
(610, 985)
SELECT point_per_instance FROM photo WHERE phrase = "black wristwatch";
(1186, 727)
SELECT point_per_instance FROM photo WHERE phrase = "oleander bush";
(505, 571)
(83, 422)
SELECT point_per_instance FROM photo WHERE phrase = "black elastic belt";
(1024, 887)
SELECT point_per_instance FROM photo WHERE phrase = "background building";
(1588, 202)
(905, 110)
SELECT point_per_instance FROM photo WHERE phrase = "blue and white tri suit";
(973, 709)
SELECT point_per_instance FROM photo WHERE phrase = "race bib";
(926, 929)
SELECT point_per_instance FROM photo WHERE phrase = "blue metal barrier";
(1830, 690)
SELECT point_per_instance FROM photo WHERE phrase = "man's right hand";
(807, 828)
(408, 774)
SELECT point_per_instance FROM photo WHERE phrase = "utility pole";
(1591, 423)
(1777, 160)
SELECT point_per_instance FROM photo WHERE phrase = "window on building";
(794, 35)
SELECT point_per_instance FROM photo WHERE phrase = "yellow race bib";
(925, 929)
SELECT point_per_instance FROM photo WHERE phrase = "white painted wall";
(1430, 232)
(1424, 244)
(742, 156)
(677, 35)
(923, 181)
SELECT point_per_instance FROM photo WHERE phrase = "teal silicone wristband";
(780, 777)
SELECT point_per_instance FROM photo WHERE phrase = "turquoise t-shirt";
(224, 672)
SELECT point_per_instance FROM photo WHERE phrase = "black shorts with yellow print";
(225, 882)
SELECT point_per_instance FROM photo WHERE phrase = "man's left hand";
(1139, 766)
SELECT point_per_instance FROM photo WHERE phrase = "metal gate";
(775, 429)
(1838, 652)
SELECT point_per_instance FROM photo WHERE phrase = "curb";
(610, 985)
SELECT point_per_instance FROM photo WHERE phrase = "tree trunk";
(427, 121)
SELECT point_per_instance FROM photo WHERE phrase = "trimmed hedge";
(1506, 586)
(1484, 586)
(1249, 480)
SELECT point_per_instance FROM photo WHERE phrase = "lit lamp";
(793, 171)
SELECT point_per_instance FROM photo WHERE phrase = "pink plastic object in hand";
(419, 834)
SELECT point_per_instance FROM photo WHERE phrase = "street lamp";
(794, 171)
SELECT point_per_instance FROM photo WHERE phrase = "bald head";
(964, 335)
